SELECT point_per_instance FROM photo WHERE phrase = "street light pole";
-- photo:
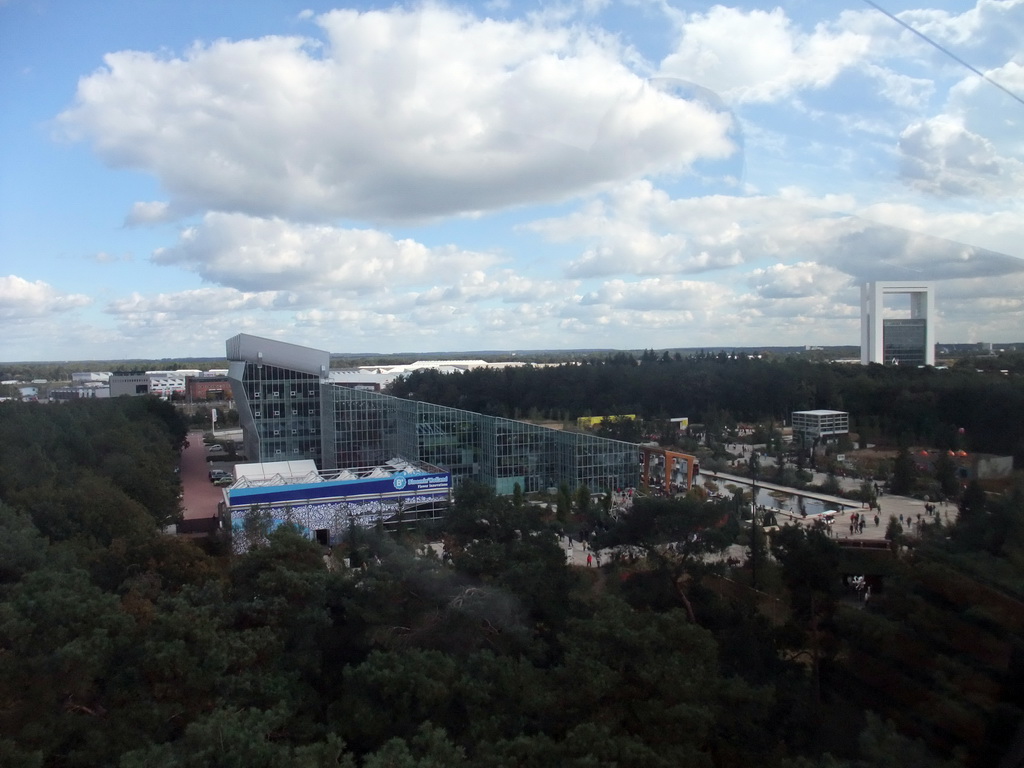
(755, 465)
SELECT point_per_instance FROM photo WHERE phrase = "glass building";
(290, 410)
(277, 390)
(904, 341)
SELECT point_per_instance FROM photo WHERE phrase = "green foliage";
(925, 406)
(563, 503)
(583, 501)
(429, 748)
(810, 569)
(232, 738)
(945, 475)
(831, 484)
(518, 499)
(866, 492)
(904, 472)
(121, 646)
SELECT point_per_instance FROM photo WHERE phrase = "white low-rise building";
(818, 425)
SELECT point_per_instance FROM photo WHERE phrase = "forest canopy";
(887, 404)
(121, 645)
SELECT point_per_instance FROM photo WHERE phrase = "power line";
(946, 51)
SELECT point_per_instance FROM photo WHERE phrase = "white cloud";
(198, 302)
(103, 257)
(399, 115)
(253, 254)
(143, 214)
(903, 90)
(639, 230)
(20, 298)
(506, 286)
(942, 157)
(991, 26)
(798, 281)
(758, 56)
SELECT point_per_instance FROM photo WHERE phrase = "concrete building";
(813, 427)
(81, 392)
(969, 466)
(207, 388)
(908, 340)
(129, 384)
(90, 377)
(161, 383)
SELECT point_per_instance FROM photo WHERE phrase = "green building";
(290, 410)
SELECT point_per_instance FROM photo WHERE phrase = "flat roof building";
(811, 426)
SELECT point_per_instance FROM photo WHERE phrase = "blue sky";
(442, 177)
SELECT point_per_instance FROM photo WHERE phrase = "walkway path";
(889, 506)
(200, 495)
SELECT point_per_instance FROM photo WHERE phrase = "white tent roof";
(289, 471)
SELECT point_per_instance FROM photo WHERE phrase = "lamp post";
(755, 466)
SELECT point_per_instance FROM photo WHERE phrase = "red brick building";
(198, 389)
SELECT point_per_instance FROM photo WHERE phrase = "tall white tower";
(897, 341)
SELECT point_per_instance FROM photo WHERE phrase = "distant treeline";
(886, 403)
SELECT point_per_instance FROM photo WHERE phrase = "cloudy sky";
(503, 175)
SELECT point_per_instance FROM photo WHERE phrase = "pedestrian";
(862, 525)
(851, 529)
(901, 518)
(876, 521)
(590, 560)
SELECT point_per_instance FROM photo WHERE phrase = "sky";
(502, 176)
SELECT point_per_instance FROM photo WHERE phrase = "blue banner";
(433, 484)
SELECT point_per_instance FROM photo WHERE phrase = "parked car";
(219, 474)
(223, 481)
(215, 449)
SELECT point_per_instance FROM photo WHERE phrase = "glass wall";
(904, 341)
(370, 428)
(284, 407)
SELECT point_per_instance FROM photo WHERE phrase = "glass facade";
(289, 410)
(284, 408)
(371, 428)
(904, 341)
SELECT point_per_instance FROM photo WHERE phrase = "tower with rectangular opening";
(907, 340)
